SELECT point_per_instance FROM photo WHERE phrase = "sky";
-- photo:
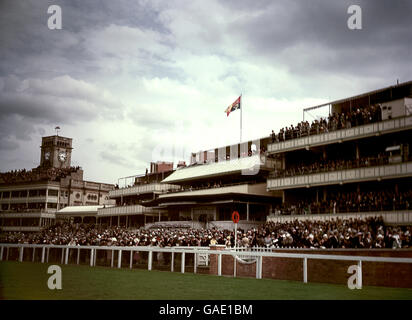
(139, 81)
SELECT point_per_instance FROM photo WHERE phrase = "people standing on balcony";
(335, 121)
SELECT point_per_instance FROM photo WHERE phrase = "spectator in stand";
(335, 121)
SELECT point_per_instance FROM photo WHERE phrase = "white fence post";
(1, 253)
(131, 259)
(112, 260)
(182, 268)
(260, 263)
(305, 270)
(91, 257)
(150, 260)
(195, 263)
(219, 264)
(172, 266)
(7, 254)
(360, 274)
(21, 254)
(67, 256)
(48, 254)
(34, 252)
(62, 259)
(78, 256)
(94, 257)
(43, 251)
(119, 260)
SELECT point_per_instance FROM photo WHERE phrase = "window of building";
(6, 194)
(53, 193)
(33, 193)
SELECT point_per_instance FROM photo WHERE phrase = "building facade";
(357, 162)
(29, 199)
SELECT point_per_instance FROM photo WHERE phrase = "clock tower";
(56, 152)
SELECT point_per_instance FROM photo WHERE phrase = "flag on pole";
(234, 106)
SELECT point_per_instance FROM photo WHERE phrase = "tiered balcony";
(364, 131)
(124, 211)
(389, 171)
(143, 189)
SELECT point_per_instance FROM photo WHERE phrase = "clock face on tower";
(47, 155)
(62, 156)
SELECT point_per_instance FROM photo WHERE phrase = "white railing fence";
(93, 254)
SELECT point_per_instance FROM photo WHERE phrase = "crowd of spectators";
(331, 165)
(350, 233)
(37, 174)
(342, 202)
(335, 121)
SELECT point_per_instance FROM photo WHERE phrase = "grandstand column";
(247, 211)
(118, 220)
(127, 219)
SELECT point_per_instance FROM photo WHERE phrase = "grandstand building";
(30, 199)
(356, 162)
(203, 194)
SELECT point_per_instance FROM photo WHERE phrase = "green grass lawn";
(29, 281)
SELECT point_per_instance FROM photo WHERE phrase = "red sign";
(235, 216)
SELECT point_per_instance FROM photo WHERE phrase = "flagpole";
(241, 108)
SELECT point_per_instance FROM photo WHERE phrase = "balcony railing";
(143, 189)
(124, 210)
(390, 217)
(368, 130)
(343, 176)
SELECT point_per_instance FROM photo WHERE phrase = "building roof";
(80, 210)
(363, 95)
(214, 169)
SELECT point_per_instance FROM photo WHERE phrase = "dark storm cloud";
(25, 35)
